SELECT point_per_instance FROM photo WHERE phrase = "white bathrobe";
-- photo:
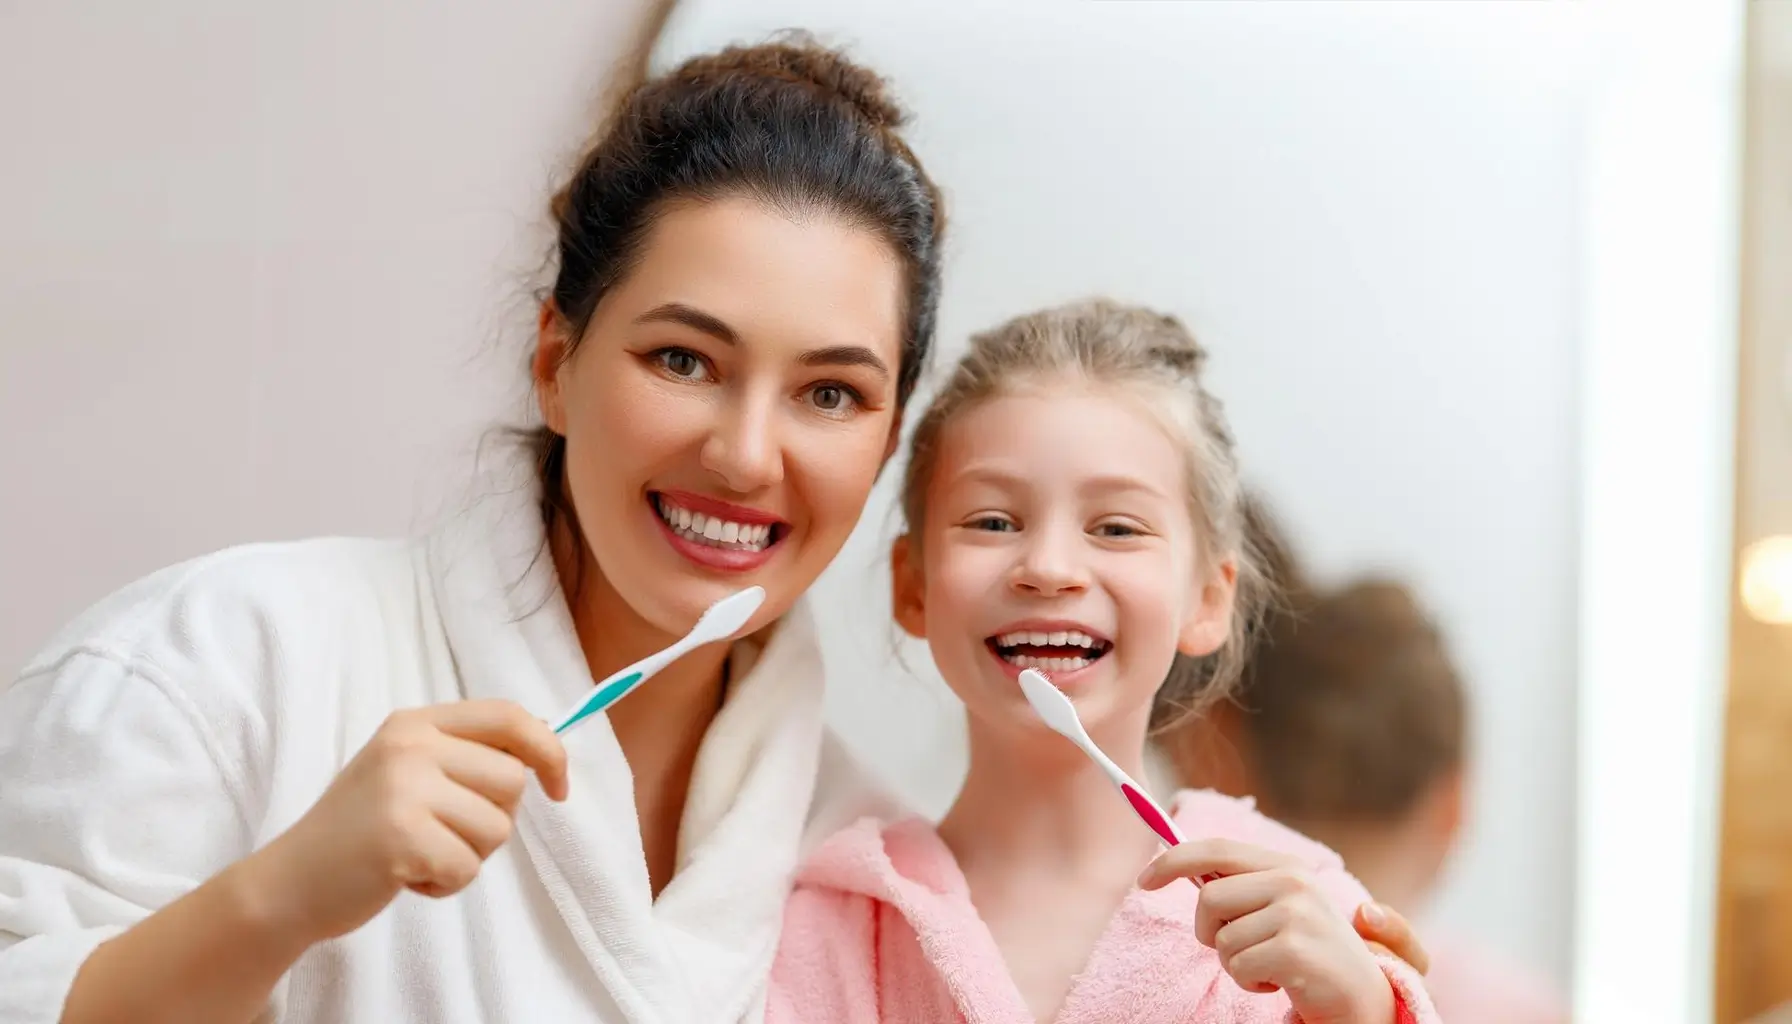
(193, 716)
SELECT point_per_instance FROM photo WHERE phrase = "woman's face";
(729, 405)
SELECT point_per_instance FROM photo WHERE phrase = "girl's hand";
(420, 807)
(1274, 929)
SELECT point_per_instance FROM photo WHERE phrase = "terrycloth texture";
(881, 928)
(196, 714)
(1471, 985)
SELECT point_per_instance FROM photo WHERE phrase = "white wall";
(1372, 213)
(258, 265)
(1658, 414)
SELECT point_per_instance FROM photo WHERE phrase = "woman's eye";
(681, 363)
(833, 397)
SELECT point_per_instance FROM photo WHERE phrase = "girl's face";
(1058, 536)
(729, 406)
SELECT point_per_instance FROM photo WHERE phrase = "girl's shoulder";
(1206, 814)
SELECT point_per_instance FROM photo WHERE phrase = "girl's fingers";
(1204, 857)
(1238, 896)
(1254, 966)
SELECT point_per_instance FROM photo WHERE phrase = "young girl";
(1073, 505)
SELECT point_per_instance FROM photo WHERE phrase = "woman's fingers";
(507, 727)
(481, 824)
(438, 862)
(492, 773)
(1381, 925)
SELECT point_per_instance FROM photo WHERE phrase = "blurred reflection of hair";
(1351, 725)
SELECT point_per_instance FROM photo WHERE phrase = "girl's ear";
(907, 591)
(1209, 621)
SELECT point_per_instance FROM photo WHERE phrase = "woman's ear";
(907, 592)
(1209, 621)
(551, 342)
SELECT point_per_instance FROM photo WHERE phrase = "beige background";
(261, 268)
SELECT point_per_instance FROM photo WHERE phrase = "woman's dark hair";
(791, 124)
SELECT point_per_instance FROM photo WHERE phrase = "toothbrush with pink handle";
(1056, 711)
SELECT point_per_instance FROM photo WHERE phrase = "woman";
(238, 783)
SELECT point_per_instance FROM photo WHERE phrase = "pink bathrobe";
(880, 927)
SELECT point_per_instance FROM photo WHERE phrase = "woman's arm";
(214, 955)
(119, 809)
(113, 807)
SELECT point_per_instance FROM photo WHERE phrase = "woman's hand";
(1274, 929)
(420, 807)
(1389, 934)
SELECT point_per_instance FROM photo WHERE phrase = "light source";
(1765, 580)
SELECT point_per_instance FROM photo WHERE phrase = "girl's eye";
(834, 398)
(1116, 530)
(681, 363)
(993, 524)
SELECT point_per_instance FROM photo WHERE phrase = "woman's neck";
(659, 727)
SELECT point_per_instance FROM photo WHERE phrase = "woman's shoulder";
(231, 626)
(244, 588)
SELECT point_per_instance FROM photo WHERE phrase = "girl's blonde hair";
(1111, 345)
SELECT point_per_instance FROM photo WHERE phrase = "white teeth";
(1048, 664)
(710, 530)
(1067, 638)
(1007, 642)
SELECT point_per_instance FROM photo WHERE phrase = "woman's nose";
(743, 448)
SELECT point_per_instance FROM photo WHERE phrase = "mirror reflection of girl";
(1351, 725)
(1073, 505)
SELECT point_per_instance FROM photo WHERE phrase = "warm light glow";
(1766, 580)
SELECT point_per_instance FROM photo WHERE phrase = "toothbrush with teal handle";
(720, 622)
